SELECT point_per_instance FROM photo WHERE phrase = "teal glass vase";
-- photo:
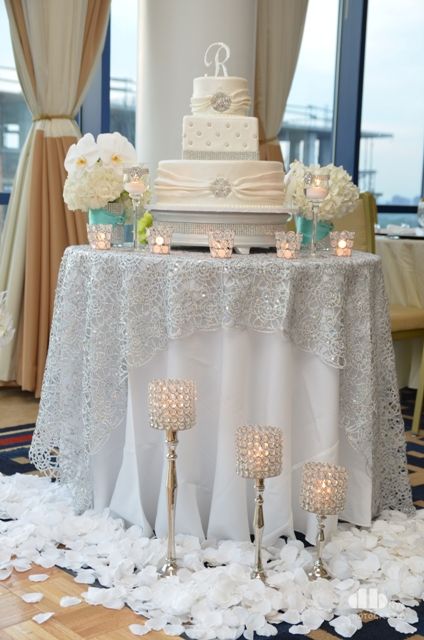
(303, 225)
(112, 214)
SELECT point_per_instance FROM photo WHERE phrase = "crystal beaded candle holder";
(323, 492)
(160, 240)
(172, 404)
(258, 451)
(323, 488)
(288, 244)
(136, 179)
(342, 243)
(100, 235)
(258, 456)
(221, 242)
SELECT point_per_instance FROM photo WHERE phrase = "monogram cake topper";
(222, 54)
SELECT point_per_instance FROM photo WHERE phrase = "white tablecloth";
(303, 345)
(403, 269)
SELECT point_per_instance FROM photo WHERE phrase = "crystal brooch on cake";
(221, 187)
(220, 101)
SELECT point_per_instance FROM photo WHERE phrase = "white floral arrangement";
(95, 169)
(7, 330)
(340, 200)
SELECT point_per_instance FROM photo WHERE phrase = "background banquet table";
(403, 269)
(303, 345)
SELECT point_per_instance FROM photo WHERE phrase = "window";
(15, 118)
(307, 128)
(123, 67)
(392, 133)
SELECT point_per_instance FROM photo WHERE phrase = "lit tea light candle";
(288, 244)
(316, 193)
(135, 187)
(342, 243)
(221, 243)
(323, 488)
(160, 240)
(100, 236)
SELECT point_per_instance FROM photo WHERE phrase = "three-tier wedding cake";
(220, 181)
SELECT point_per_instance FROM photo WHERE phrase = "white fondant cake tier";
(220, 184)
(220, 138)
(225, 95)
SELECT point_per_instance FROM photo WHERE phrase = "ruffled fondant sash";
(258, 187)
(240, 103)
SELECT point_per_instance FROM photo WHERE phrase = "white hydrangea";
(341, 198)
(95, 171)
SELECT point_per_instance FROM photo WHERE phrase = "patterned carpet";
(14, 446)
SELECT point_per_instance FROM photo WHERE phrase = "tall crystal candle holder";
(258, 456)
(136, 182)
(323, 492)
(172, 408)
(316, 187)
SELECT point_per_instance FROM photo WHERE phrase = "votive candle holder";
(258, 456)
(172, 408)
(100, 235)
(221, 243)
(342, 243)
(288, 244)
(160, 240)
(323, 492)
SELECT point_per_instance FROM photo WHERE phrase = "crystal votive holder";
(221, 243)
(288, 244)
(342, 243)
(136, 179)
(172, 404)
(100, 235)
(323, 489)
(160, 240)
(258, 451)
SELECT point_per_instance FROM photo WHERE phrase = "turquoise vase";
(104, 216)
(303, 225)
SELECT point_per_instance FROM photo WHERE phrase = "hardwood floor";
(17, 407)
(72, 623)
(79, 622)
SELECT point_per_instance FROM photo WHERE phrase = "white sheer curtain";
(56, 44)
(278, 38)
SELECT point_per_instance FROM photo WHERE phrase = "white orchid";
(115, 151)
(7, 330)
(341, 198)
(82, 156)
(95, 170)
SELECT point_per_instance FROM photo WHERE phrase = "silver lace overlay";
(116, 309)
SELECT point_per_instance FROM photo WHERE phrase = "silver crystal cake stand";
(190, 228)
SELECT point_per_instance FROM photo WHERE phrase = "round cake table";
(303, 345)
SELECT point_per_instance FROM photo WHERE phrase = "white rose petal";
(401, 626)
(32, 597)
(69, 601)
(346, 626)
(40, 618)
(38, 577)
(139, 629)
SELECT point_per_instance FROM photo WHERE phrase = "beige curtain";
(278, 37)
(57, 44)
